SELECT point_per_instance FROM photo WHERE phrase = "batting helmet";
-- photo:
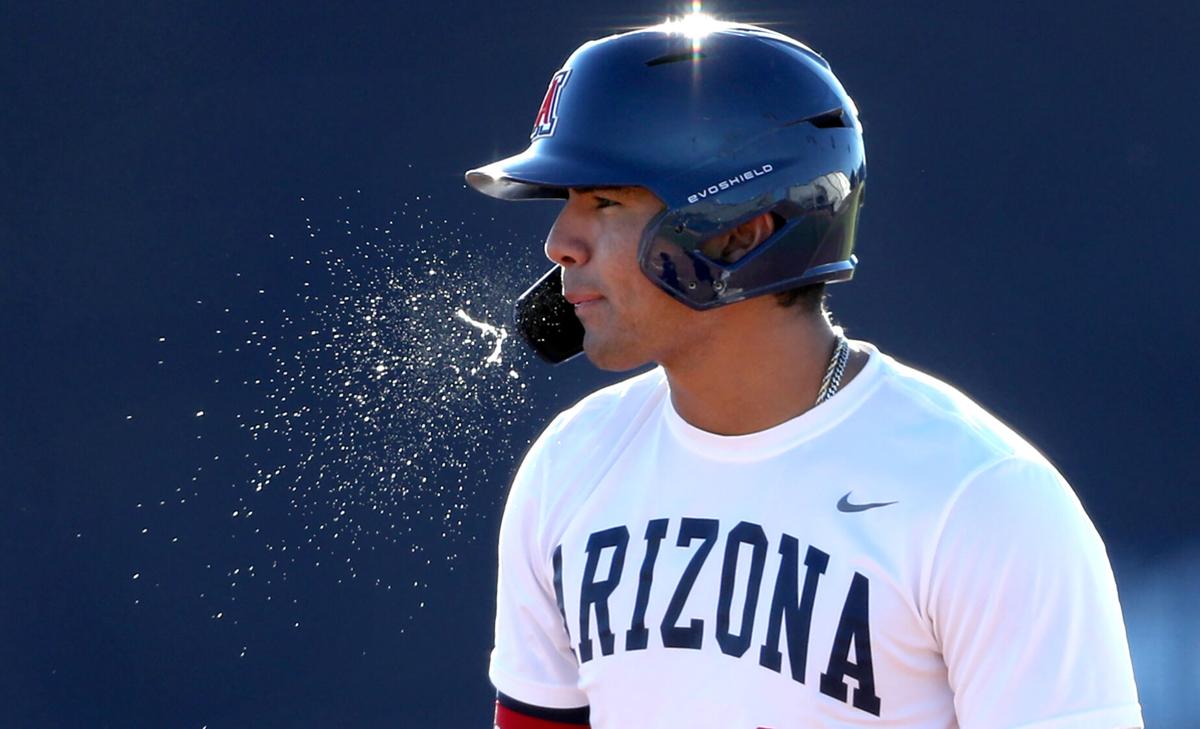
(722, 123)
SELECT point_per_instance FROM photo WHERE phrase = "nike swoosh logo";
(845, 505)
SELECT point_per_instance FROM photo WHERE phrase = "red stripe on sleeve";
(506, 718)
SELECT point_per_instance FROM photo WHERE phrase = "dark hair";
(810, 298)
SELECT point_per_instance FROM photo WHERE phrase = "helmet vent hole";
(675, 58)
(831, 119)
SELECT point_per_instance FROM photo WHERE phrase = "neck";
(762, 367)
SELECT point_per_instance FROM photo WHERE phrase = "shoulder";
(616, 402)
(575, 450)
(991, 486)
(947, 409)
(923, 423)
(931, 444)
(603, 418)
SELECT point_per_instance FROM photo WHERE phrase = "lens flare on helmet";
(695, 25)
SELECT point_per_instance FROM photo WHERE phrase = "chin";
(613, 357)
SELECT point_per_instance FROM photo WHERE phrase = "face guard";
(722, 128)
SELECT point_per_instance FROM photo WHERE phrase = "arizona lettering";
(742, 556)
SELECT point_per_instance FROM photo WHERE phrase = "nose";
(567, 243)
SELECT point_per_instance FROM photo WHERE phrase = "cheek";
(618, 255)
(640, 291)
(638, 299)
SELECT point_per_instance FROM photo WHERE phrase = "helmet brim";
(537, 175)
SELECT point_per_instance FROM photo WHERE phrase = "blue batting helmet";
(722, 123)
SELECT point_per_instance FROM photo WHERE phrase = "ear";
(731, 246)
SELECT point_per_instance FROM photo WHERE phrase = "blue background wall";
(243, 212)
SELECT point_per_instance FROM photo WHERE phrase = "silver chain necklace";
(833, 373)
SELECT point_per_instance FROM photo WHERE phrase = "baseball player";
(776, 527)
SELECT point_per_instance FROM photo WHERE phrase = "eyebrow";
(624, 189)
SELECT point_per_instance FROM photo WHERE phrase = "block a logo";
(547, 116)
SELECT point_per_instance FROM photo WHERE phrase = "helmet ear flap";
(811, 241)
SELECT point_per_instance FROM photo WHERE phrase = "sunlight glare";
(694, 25)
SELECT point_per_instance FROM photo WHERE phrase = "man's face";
(627, 319)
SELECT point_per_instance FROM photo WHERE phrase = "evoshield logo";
(547, 116)
(725, 184)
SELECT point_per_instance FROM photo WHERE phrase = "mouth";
(582, 301)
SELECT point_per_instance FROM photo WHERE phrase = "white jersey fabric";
(893, 557)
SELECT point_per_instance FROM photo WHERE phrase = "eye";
(604, 202)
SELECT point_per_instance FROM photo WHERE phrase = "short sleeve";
(532, 659)
(1023, 603)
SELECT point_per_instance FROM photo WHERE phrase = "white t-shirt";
(893, 557)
